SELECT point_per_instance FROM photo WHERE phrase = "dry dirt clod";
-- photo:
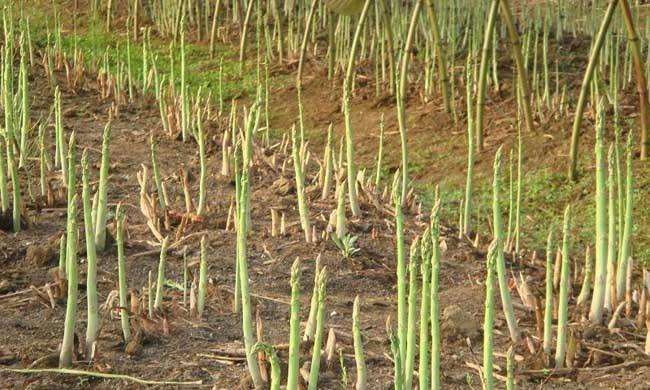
(5, 286)
(282, 186)
(6, 356)
(459, 324)
(134, 346)
(41, 255)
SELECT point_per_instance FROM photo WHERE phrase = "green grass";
(93, 42)
(201, 70)
(545, 195)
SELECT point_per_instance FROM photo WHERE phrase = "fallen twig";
(68, 371)
(578, 370)
(271, 299)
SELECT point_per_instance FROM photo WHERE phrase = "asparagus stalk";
(584, 90)
(121, 275)
(67, 347)
(303, 208)
(157, 178)
(510, 362)
(500, 261)
(401, 277)
(563, 306)
(488, 336)
(62, 255)
(398, 371)
(202, 162)
(380, 152)
(424, 368)
(586, 283)
(482, 81)
(310, 327)
(318, 339)
(102, 200)
(612, 238)
(4, 190)
(9, 134)
(275, 362)
(328, 162)
(347, 110)
(203, 279)
(24, 93)
(70, 247)
(91, 255)
(626, 247)
(294, 332)
(548, 302)
(434, 300)
(358, 346)
(341, 222)
(409, 365)
(160, 282)
(470, 151)
(600, 282)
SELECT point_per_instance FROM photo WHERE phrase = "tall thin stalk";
(488, 324)
(425, 302)
(318, 339)
(9, 134)
(328, 162)
(203, 279)
(548, 301)
(483, 73)
(380, 151)
(442, 56)
(506, 301)
(347, 110)
(160, 281)
(563, 305)
(102, 191)
(358, 346)
(401, 98)
(202, 162)
(303, 46)
(67, 347)
(157, 179)
(434, 300)
(586, 83)
(243, 222)
(401, 277)
(244, 33)
(626, 246)
(510, 368)
(121, 270)
(641, 82)
(72, 180)
(310, 326)
(522, 73)
(612, 238)
(91, 256)
(294, 325)
(301, 192)
(467, 210)
(4, 189)
(24, 94)
(598, 298)
(409, 364)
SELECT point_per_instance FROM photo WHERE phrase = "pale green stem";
(563, 305)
